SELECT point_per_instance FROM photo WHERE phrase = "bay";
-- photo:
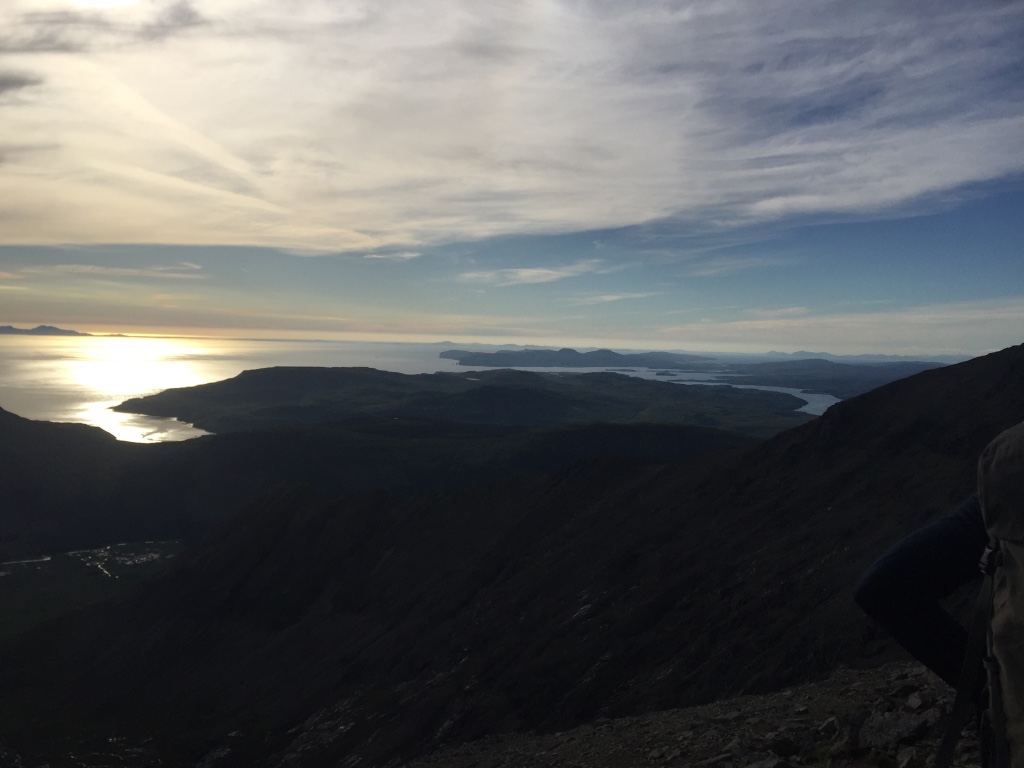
(78, 378)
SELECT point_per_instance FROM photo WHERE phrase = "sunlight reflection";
(124, 367)
(110, 370)
(135, 428)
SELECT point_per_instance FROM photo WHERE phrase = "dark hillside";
(379, 626)
(202, 483)
(69, 486)
(56, 481)
(276, 397)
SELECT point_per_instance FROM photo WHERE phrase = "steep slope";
(380, 627)
(884, 716)
(205, 482)
(69, 486)
(56, 481)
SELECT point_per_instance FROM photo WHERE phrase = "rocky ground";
(891, 717)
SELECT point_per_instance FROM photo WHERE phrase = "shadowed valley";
(338, 429)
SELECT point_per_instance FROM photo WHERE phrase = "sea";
(78, 378)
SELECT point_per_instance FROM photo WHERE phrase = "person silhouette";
(903, 589)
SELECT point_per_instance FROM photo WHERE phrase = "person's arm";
(902, 590)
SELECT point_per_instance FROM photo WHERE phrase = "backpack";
(995, 649)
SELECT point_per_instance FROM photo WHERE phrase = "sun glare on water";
(128, 366)
(112, 370)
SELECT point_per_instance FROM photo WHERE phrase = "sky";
(725, 175)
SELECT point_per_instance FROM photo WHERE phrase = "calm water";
(78, 379)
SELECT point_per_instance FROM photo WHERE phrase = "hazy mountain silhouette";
(570, 358)
(316, 629)
(870, 358)
(842, 379)
(39, 330)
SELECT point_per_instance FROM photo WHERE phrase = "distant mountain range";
(871, 358)
(839, 377)
(39, 330)
(570, 358)
(315, 629)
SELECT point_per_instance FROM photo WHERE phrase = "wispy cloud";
(608, 298)
(172, 19)
(354, 126)
(777, 313)
(59, 26)
(15, 81)
(730, 265)
(531, 275)
(955, 327)
(6, 278)
(394, 256)
(183, 271)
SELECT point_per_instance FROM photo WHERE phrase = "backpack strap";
(996, 713)
(972, 673)
(997, 717)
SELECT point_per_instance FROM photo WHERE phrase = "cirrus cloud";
(183, 271)
(933, 328)
(322, 126)
(531, 275)
(608, 298)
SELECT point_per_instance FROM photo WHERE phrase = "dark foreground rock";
(891, 717)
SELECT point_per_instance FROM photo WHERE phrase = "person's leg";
(902, 590)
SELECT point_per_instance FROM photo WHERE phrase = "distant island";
(570, 358)
(841, 377)
(39, 330)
